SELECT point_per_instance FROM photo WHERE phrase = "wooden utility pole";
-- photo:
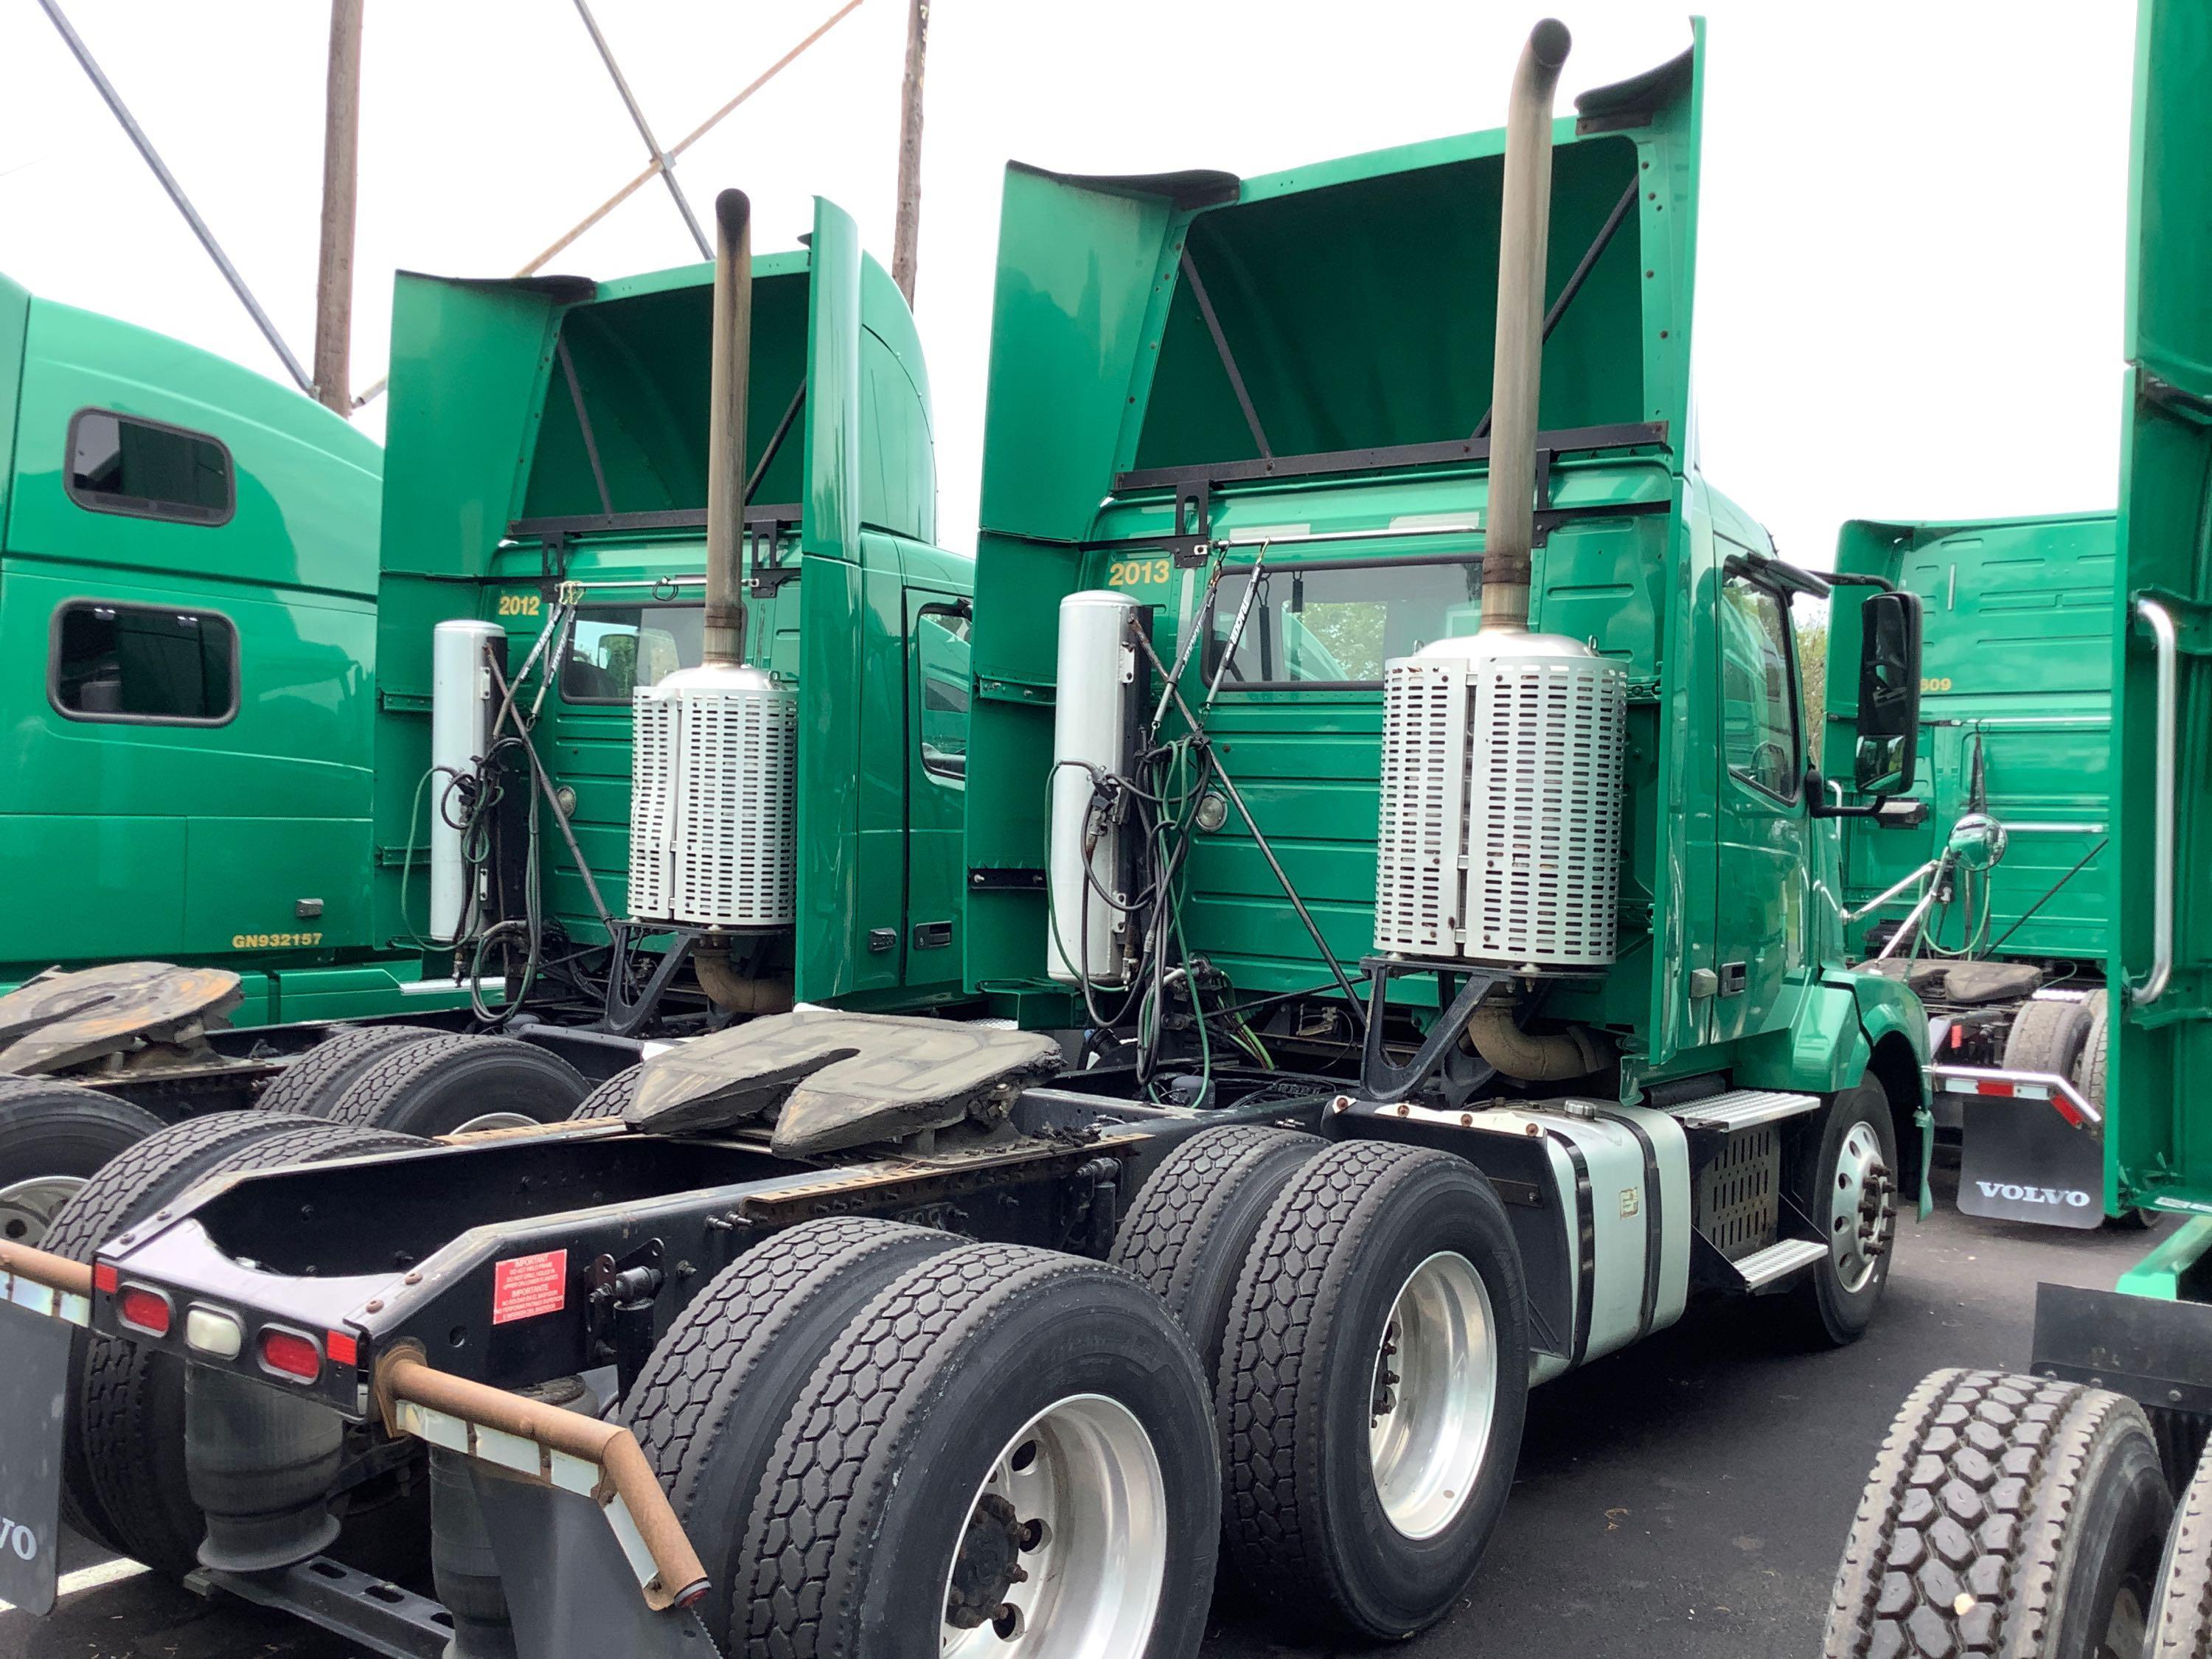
(908, 231)
(341, 157)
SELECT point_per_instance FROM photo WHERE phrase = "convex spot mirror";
(1889, 694)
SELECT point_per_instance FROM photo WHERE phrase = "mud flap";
(2020, 1161)
(35, 1363)
(570, 1591)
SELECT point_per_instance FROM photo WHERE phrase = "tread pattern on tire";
(365, 1095)
(1945, 1556)
(1181, 1199)
(2181, 1623)
(2089, 1069)
(19, 1088)
(611, 1098)
(813, 1484)
(313, 1082)
(119, 1433)
(1258, 1404)
(682, 1396)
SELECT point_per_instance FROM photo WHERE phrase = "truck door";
(937, 692)
(1761, 933)
(2157, 1140)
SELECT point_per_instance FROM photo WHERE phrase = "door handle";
(2167, 641)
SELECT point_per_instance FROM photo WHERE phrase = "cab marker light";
(104, 1277)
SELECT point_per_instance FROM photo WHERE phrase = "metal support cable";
(176, 191)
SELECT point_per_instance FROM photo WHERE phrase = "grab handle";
(2166, 639)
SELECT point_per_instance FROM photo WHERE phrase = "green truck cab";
(188, 570)
(1997, 908)
(1206, 391)
(2094, 1539)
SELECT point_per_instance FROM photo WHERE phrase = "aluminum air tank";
(1093, 731)
(460, 730)
(714, 816)
(1500, 833)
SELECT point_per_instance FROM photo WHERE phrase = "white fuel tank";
(1499, 840)
(460, 732)
(714, 820)
(1090, 733)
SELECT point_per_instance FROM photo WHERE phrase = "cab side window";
(138, 662)
(941, 658)
(144, 469)
(1759, 703)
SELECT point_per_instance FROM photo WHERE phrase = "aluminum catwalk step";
(1764, 1266)
(1743, 1109)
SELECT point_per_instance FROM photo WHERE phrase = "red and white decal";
(525, 1286)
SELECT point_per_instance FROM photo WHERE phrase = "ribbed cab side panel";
(715, 813)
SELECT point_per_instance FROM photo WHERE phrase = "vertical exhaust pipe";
(724, 643)
(1524, 228)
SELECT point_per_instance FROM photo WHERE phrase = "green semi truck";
(1998, 909)
(1399, 806)
(2066, 1509)
(497, 871)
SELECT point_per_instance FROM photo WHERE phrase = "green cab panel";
(2158, 1141)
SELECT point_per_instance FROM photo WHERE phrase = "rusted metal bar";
(504, 1430)
(42, 1271)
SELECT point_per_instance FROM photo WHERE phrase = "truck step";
(1742, 1109)
(1764, 1266)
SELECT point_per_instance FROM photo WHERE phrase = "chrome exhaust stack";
(1525, 229)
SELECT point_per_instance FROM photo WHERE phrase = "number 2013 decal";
(1137, 573)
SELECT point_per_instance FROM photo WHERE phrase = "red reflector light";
(143, 1310)
(342, 1348)
(290, 1354)
(1990, 1087)
(104, 1277)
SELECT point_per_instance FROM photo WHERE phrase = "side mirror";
(1889, 694)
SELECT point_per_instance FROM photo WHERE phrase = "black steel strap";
(1228, 357)
(584, 425)
(1580, 274)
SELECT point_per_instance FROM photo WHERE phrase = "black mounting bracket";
(1441, 1059)
(1194, 522)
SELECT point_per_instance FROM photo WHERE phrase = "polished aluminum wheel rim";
(493, 1121)
(29, 1207)
(1862, 1209)
(1434, 1390)
(1064, 1552)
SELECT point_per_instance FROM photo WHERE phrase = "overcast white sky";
(1911, 244)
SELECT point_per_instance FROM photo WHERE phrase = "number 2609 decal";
(1135, 573)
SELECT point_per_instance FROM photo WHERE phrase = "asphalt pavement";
(1688, 1497)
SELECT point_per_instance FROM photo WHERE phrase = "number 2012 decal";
(1137, 573)
(521, 605)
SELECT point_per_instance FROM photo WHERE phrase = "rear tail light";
(143, 1309)
(211, 1331)
(288, 1353)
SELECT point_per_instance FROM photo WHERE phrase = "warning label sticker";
(525, 1286)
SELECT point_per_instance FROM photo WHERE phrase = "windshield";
(1336, 624)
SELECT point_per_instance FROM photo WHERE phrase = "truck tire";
(132, 1186)
(2047, 1036)
(710, 1404)
(2006, 1516)
(611, 1098)
(1848, 1186)
(2089, 1069)
(132, 1404)
(311, 1084)
(54, 1137)
(1004, 1441)
(1186, 1237)
(1355, 1494)
(2181, 1619)
(456, 1084)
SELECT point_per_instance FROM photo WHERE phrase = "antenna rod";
(177, 194)
(662, 159)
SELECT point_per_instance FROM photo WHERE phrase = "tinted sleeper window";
(119, 465)
(137, 662)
